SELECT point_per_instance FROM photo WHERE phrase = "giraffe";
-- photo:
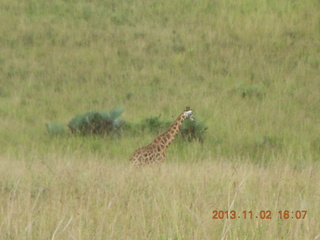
(155, 151)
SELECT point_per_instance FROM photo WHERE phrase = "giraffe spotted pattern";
(155, 151)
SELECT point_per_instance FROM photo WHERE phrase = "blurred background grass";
(249, 69)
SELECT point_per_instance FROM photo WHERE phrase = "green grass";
(250, 70)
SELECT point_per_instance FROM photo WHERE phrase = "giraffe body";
(155, 151)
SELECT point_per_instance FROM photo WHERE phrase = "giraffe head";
(187, 114)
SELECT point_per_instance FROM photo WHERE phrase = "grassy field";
(81, 198)
(249, 69)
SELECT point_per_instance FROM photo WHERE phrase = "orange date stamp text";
(263, 214)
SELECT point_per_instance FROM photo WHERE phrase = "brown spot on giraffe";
(155, 152)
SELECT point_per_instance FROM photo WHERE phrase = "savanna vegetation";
(250, 70)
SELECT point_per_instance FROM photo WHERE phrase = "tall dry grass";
(85, 198)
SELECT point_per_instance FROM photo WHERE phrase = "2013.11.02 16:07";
(263, 214)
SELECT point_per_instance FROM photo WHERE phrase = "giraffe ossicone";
(155, 151)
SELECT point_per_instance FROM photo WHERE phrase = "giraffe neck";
(168, 136)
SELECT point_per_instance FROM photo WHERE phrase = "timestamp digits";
(263, 214)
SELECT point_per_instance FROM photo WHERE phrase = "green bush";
(147, 125)
(154, 124)
(94, 122)
(190, 131)
(106, 123)
(56, 128)
(97, 122)
(193, 131)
